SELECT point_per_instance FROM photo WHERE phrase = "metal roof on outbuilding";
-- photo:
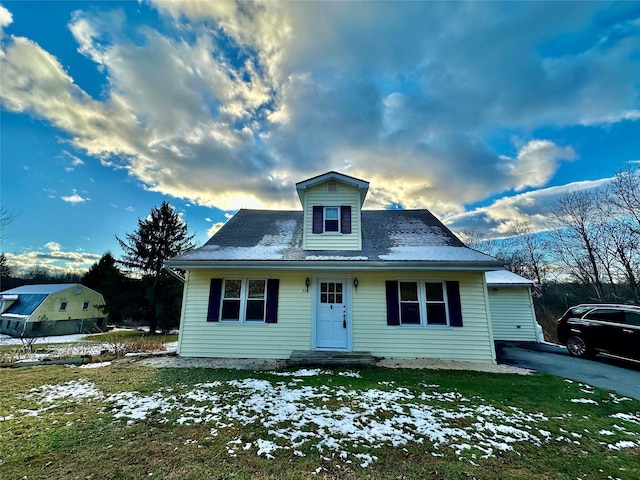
(45, 288)
(26, 304)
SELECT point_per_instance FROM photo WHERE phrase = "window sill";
(427, 327)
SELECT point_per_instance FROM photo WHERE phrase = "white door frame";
(347, 292)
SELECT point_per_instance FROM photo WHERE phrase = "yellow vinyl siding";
(512, 314)
(370, 332)
(199, 338)
(75, 297)
(319, 196)
(472, 342)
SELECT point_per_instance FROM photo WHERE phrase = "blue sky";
(483, 112)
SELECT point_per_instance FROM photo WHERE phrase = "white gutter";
(481, 266)
(173, 273)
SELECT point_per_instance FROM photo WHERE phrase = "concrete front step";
(309, 358)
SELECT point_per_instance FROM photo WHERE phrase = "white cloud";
(53, 259)
(214, 228)
(74, 198)
(260, 95)
(5, 17)
(536, 163)
(503, 214)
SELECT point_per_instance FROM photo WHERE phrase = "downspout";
(183, 307)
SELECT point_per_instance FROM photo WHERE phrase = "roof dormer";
(332, 203)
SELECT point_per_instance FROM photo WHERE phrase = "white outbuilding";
(513, 316)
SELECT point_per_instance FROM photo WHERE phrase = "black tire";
(577, 346)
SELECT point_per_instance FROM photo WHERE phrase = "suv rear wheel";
(577, 346)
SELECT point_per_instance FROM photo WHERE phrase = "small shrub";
(119, 345)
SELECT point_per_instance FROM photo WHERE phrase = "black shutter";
(215, 295)
(345, 219)
(318, 219)
(393, 307)
(272, 300)
(455, 307)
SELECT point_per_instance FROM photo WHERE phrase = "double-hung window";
(331, 219)
(422, 303)
(243, 300)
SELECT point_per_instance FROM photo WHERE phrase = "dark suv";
(611, 329)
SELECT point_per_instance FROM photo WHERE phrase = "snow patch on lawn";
(73, 390)
(339, 422)
(584, 400)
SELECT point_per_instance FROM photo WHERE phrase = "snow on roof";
(439, 253)
(505, 277)
(45, 289)
(387, 235)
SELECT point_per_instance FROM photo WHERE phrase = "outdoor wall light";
(355, 283)
(307, 282)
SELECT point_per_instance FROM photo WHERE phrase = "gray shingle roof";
(406, 236)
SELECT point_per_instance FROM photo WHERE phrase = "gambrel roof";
(390, 238)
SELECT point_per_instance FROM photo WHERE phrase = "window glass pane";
(338, 298)
(410, 314)
(332, 287)
(323, 298)
(434, 292)
(331, 225)
(232, 288)
(613, 316)
(323, 287)
(231, 310)
(338, 287)
(331, 213)
(436, 314)
(255, 310)
(633, 318)
(256, 288)
(408, 291)
(332, 298)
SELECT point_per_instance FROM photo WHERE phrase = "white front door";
(332, 318)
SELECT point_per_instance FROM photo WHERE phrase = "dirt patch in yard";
(173, 361)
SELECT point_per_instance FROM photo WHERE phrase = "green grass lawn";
(133, 422)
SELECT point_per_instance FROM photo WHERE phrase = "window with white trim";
(423, 303)
(63, 306)
(331, 219)
(85, 306)
(243, 300)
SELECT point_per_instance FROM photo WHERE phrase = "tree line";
(136, 288)
(590, 241)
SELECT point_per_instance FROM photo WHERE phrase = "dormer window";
(331, 219)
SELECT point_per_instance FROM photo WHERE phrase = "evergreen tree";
(160, 236)
(105, 277)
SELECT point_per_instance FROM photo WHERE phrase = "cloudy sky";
(481, 112)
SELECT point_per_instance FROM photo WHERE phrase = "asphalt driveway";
(604, 372)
